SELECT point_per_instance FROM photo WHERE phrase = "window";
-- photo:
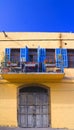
(50, 55)
(15, 55)
(71, 58)
(32, 55)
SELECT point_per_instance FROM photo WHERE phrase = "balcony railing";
(29, 67)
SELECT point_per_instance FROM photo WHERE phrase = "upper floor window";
(50, 55)
(32, 55)
(70, 58)
(15, 55)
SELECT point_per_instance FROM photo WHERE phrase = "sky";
(37, 15)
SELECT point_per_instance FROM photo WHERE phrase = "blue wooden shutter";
(41, 54)
(41, 57)
(7, 54)
(24, 54)
(38, 55)
(57, 52)
(65, 58)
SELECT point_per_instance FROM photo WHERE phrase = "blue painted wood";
(63, 62)
(42, 57)
(24, 54)
(65, 57)
(7, 54)
(57, 53)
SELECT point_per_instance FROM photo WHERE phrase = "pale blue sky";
(37, 15)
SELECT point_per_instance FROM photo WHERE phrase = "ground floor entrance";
(33, 107)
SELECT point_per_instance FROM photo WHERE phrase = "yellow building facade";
(37, 99)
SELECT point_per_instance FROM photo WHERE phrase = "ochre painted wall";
(29, 36)
(61, 93)
(61, 104)
(8, 105)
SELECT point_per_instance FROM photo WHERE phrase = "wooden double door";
(33, 108)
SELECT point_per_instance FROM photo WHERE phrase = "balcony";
(31, 72)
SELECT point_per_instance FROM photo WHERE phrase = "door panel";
(22, 99)
(45, 110)
(23, 120)
(23, 109)
(39, 120)
(30, 100)
(45, 120)
(33, 109)
(30, 121)
(30, 109)
(38, 110)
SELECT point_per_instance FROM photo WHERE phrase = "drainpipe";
(60, 37)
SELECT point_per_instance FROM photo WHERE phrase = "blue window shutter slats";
(57, 52)
(65, 57)
(43, 58)
(38, 54)
(7, 54)
(41, 54)
(24, 54)
(64, 60)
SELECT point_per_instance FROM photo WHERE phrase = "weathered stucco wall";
(33, 40)
(61, 93)
(61, 104)
(8, 105)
